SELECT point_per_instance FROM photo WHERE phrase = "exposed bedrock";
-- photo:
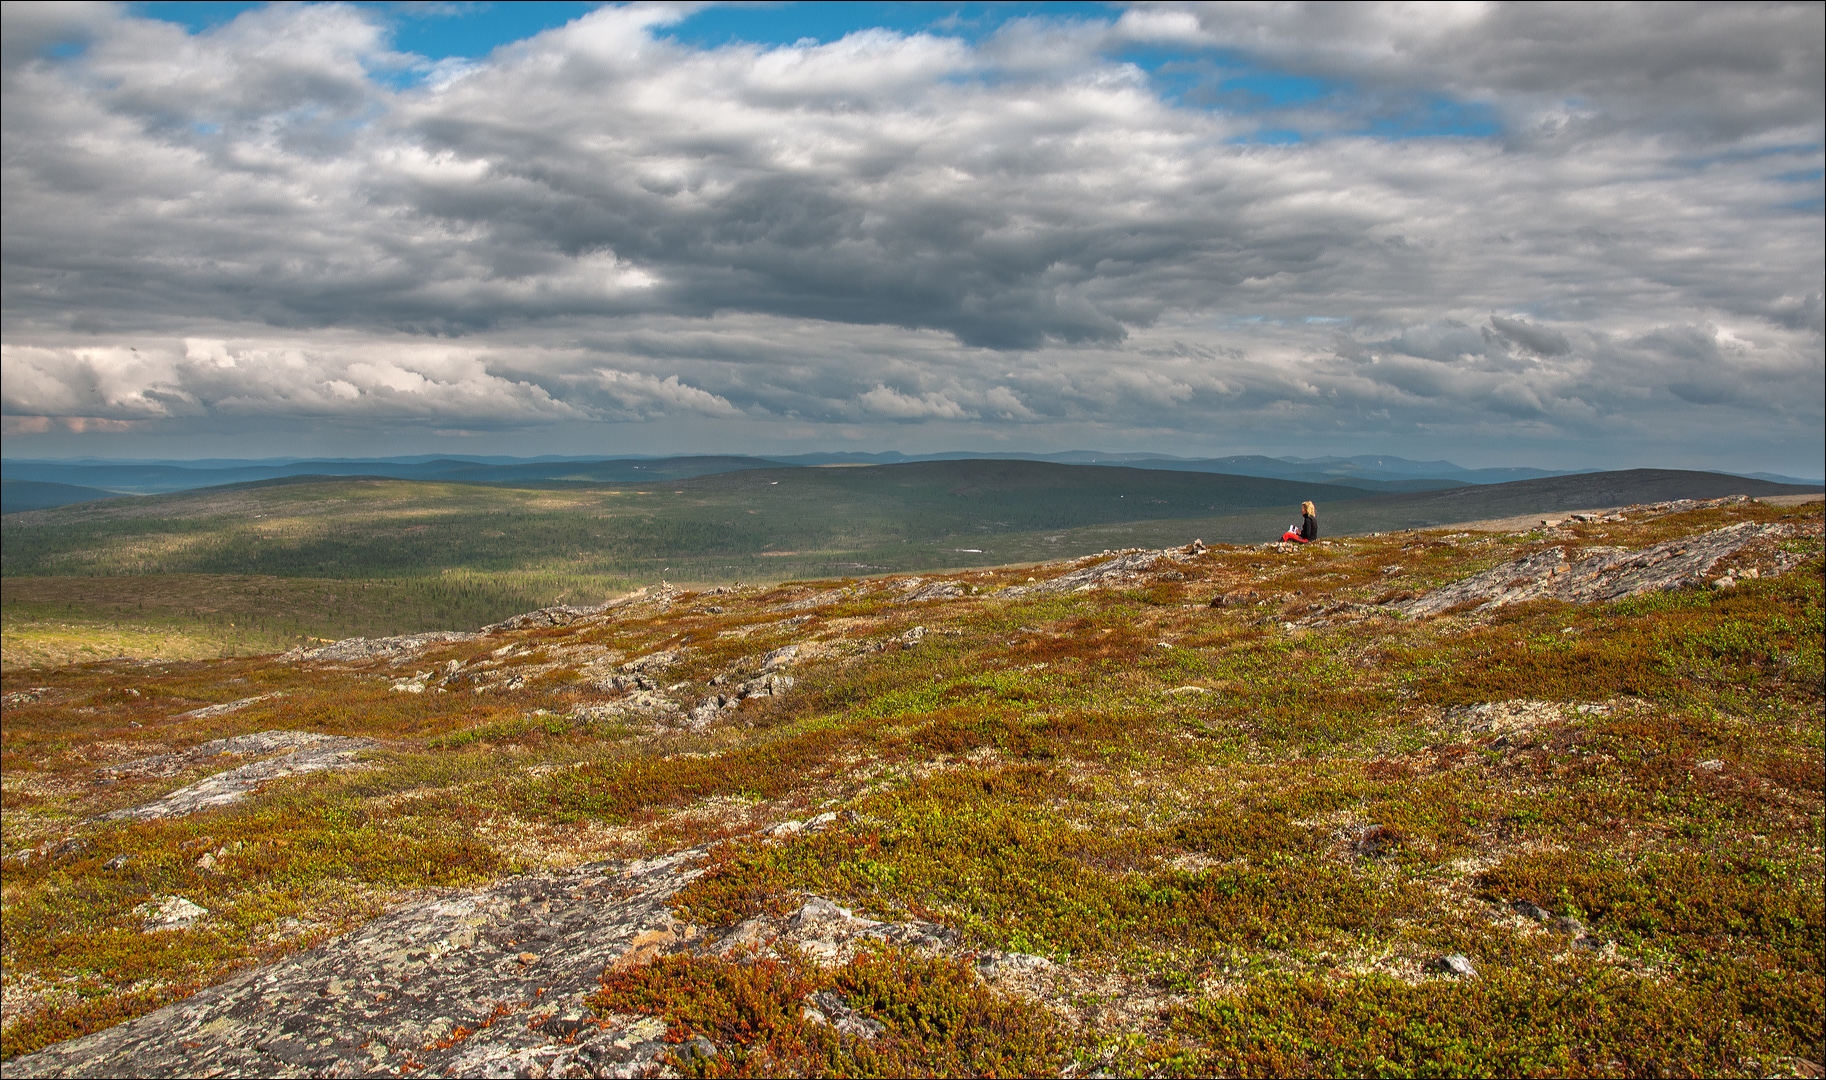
(295, 753)
(1605, 574)
(485, 983)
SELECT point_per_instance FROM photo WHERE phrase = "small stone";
(207, 862)
(1726, 582)
(527, 957)
(1710, 766)
(1530, 910)
(117, 862)
(170, 913)
(1457, 964)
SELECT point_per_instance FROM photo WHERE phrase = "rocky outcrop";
(358, 649)
(485, 983)
(1601, 574)
(564, 614)
(227, 707)
(713, 705)
(1125, 568)
(298, 752)
(476, 984)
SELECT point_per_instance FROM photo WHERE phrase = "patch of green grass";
(1572, 1020)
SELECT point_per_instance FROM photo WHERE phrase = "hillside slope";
(1180, 812)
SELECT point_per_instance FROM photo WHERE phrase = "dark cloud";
(1539, 340)
(893, 233)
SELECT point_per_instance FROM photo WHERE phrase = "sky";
(1562, 236)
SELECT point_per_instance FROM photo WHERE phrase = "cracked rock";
(304, 752)
(1599, 575)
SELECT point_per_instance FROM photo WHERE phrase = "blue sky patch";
(1188, 77)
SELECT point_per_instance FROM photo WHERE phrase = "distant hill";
(1557, 493)
(1548, 495)
(160, 478)
(1379, 473)
(21, 495)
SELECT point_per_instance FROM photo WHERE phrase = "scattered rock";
(780, 657)
(169, 913)
(650, 663)
(1529, 909)
(621, 683)
(647, 706)
(1457, 964)
(1505, 717)
(829, 1007)
(117, 862)
(712, 706)
(995, 964)
(1236, 598)
(1713, 765)
(413, 685)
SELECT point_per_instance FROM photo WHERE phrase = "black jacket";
(1309, 528)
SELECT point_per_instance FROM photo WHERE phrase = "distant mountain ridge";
(33, 484)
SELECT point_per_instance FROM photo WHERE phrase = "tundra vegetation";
(254, 568)
(1292, 833)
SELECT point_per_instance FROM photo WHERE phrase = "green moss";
(1576, 1020)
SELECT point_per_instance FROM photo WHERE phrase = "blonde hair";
(1309, 508)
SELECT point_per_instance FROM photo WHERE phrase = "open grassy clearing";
(1243, 833)
(49, 621)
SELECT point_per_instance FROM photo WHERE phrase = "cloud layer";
(924, 239)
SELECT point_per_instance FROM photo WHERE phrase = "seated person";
(1309, 525)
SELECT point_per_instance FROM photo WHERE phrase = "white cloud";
(600, 225)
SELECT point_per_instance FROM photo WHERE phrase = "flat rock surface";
(508, 965)
(1124, 568)
(297, 752)
(1611, 574)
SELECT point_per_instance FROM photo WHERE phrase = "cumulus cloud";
(602, 225)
